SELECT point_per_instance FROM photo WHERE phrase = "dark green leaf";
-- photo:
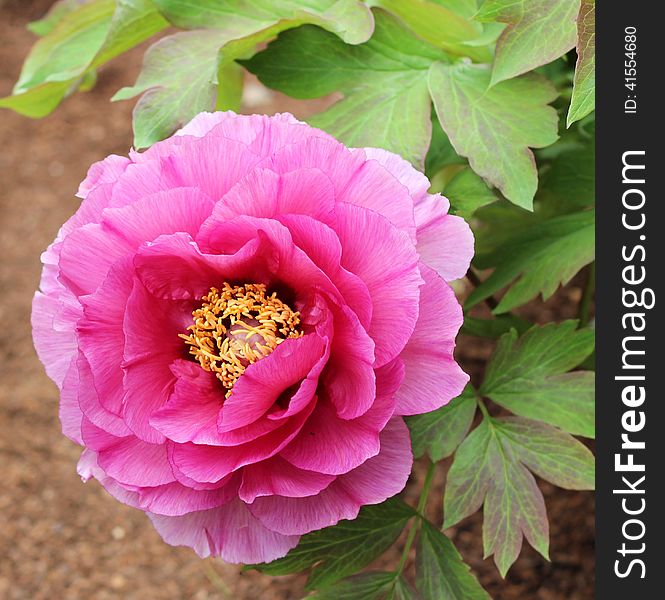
(366, 586)
(441, 152)
(584, 86)
(386, 103)
(544, 256)
(494, 127)
(441, 574)
(493, 328)
(339, 551)
(403, 590)
(467, 192)
(438, 433)
(538, 32)
(571, 178)
(486, 471)
(528, 376)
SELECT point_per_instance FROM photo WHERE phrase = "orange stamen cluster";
(236, 326)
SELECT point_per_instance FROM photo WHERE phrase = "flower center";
(236, 326)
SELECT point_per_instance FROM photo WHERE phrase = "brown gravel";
(65, 540)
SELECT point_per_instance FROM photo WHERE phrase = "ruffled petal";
(277, 477)
(386, 260)
(209, 464)
(445, 242)
(151, 329)
(104, 171)
(378, 479)
(128, 460)
(264, 381)
(432, 377)
(230, 532)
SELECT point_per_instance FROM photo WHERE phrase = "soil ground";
(64, 540)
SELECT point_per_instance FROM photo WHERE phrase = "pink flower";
(238, 319)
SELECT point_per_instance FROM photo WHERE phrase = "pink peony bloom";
(238, 319)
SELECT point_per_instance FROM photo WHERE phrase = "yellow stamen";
(237, 326)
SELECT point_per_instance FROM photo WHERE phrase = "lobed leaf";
(386, 102)
(537, 32)
(438, 433)
(495, 127)
(337, 552)
(583, 100)
(441, 574)
(486, 471)
(543, 256)
(528, 376)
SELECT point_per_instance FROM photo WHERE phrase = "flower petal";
(432, 376)
(229, 531)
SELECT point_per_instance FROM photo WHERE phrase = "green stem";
(483, 408)
(587, 296)
(422, 503)
(471, 275)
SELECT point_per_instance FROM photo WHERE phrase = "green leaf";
(366, 586)
(179, 78)
(386, 103)
(550, 453)
(134, 21)
(494, 127)
(441, 152)
(571, 178)
(467, 192)
(339, 551)
(438, 433)
(538, 32)
(544, 256)
(182, 72)
(487, 471)
(403, 590)
(493, 328)
(38, 101)
(351, 20)
(67, 49)
(529, 376)
(77, 38)
(441, 574)
(584, 85)
(442, 26)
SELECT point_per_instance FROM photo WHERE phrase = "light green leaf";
(351, 20)
(442, 26)
(179, 78)
(67, 49)
(494, 127)
(549, 452)
(487, 471)
(366, 586)
(529, 376)
(78, 38)
(38, 101)
(54, 15)
(467, 192)
(544, 256)
(441, 152)
(584, 85)
(182, 72)
(386, 103)
(538, 32)
(339, 551)
(438, 433)
(441, 574)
